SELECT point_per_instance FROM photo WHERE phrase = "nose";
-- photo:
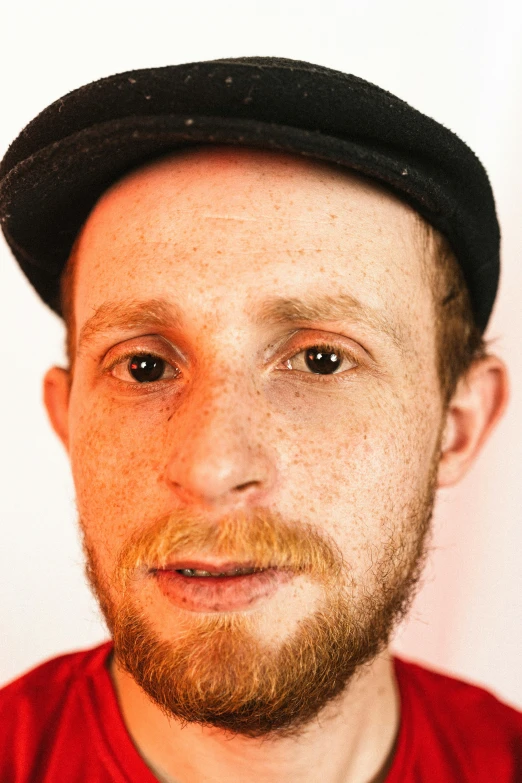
(217, 451)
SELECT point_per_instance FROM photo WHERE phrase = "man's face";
(239, 445)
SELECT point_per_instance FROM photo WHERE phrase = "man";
(275, 280)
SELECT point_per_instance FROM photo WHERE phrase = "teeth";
(235, 572)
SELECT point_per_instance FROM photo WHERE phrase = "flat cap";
(53, 173)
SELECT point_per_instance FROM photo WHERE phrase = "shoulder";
(433, 685)
(33, 704)
(455, 718)
(54, 675)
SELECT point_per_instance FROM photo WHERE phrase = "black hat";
(54, 172)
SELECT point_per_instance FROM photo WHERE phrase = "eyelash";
(324, 347)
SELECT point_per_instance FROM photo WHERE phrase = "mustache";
(261, 538)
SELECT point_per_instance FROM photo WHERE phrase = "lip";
(218, 593)
(202, 565)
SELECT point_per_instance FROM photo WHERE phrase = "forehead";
(249, 181)
(231, 223)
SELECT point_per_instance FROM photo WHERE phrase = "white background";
(459, 62)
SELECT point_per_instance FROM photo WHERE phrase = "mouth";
(218, 587)
(193, 568)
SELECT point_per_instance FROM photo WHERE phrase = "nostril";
(246, 485)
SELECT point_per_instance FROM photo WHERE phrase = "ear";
(56, 391)
(476, 407)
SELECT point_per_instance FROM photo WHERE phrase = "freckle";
(296, 394)
(194, 249)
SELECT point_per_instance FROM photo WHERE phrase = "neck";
(352, 741)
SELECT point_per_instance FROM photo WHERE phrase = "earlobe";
(478, 404)
(56, 391)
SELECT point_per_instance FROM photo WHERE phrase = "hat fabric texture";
(56, 169)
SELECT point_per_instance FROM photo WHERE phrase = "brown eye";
(143, 368)
(321, 360)
(146, 368)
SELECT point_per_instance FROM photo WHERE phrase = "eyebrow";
(127, 314)
(334, 309)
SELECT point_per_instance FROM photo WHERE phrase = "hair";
(458, 340)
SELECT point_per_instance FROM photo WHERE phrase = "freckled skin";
(217, 231)
(146, 450)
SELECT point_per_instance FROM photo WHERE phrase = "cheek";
(114, 462)
(354, 467)
(368, 484)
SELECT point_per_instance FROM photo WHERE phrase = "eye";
(321, 359)
(143, 368)
(138, 369)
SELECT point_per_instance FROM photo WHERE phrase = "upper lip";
(200, 565)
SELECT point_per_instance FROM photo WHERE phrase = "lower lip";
(219, 593)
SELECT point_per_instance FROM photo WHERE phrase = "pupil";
(146, 368)
(322, 360)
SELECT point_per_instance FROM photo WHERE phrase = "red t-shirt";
(61, 723)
